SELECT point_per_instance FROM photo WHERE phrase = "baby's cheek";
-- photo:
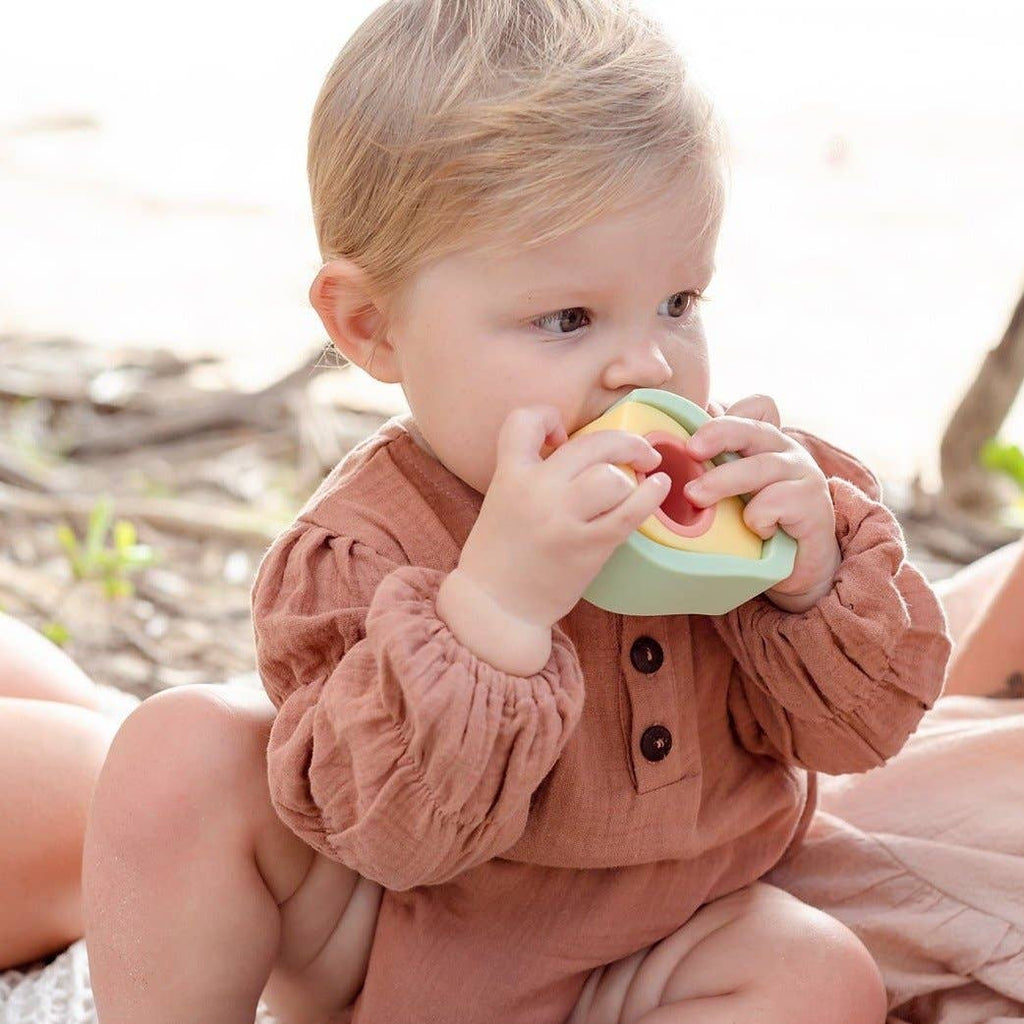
(477, 460)
(702, 387)
(698, 376)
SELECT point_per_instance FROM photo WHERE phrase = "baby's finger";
(616, 446)
(526, 430)
(730, 434)
(741, 476)
(715, 408)
(756, 407)
(625, 517)
(597, 489)
(782, 504)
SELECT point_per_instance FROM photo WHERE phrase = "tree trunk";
(965, 483)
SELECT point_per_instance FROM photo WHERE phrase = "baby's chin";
(476, 477)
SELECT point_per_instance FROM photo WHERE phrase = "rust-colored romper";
(530, 829)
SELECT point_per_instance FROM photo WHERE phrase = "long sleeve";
(395, 750)
(840, 687)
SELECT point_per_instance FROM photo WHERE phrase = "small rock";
(237, 567)
(114, 386)
(168, 677)
(156, 626)
(167, 582)
(130, 668)
(197, 631)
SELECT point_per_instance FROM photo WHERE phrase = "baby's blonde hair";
(444, 124)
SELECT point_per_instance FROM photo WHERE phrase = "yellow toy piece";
(678, 523)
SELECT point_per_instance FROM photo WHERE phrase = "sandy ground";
(152, 191)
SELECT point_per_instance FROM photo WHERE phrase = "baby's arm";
(395, 749)
(409, 739)
(841, 686)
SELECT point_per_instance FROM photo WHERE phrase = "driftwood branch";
(218, 410)
(18, 470)
(965, 483)
(188, 518)
(111, 389)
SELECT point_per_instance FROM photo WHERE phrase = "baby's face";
(576, 323)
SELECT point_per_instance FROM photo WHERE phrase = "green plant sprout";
(1001, 457)
(1007, 460)
(93, 560)
(55, 632)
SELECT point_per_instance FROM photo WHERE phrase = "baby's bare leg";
(967, 593)
(52, 745)
(197, 897)
(983, 602)
(31, 666)
(756, 955)
(50, 757)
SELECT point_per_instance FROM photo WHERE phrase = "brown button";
(656, 742)
(646, 654)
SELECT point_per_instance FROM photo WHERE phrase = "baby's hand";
(547, 525)
(788, 489)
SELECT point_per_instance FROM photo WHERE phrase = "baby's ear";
(343, 298)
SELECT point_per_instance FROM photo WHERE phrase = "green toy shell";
(643, 577)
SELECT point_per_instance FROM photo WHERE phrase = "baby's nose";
(642, 365)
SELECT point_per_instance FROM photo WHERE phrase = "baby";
(476, 798)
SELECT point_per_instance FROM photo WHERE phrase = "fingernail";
(664, 480)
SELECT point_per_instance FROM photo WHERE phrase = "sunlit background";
(152, 191)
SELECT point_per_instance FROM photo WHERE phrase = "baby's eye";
(679, 304)
(564, 321)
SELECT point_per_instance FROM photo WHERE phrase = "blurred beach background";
(153, 192)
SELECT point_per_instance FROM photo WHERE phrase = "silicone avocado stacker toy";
(683, 560)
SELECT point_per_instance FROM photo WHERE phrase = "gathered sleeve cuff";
(841, 686)
(396, 750)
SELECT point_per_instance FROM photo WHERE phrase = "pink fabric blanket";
(924, 860)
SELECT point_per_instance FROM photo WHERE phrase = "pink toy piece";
(677, 513)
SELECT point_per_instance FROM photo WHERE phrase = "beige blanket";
(924, 860)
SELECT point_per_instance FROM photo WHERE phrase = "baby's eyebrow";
(572, 292)
(561, 292)
(575, 290)
(699, 272)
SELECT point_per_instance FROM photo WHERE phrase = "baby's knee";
(829, 969)
(181, 763)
